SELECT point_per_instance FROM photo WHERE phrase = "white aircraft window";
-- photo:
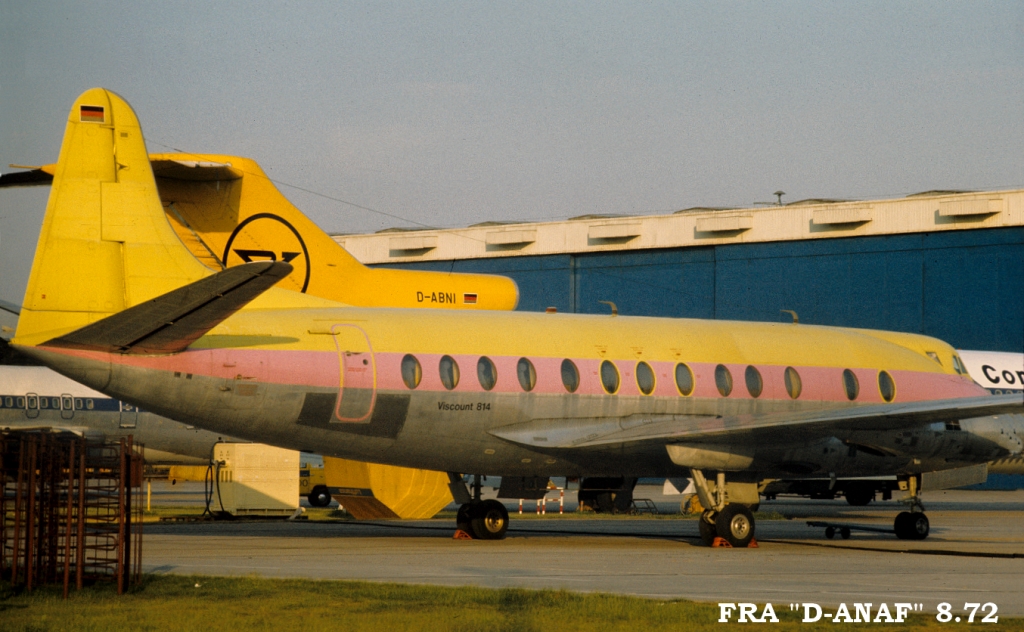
(886, 386)
(793, 383)
(570, 376)
(527, 374)
(9, 402)
(66, 403)
(89, 404)
(754, 382)
(79, 404)
(487, 373)
(412, 373)
(684, 380)
(723, 380)
(958, 365)
(44, 402)
(609, 377)
(449, 369)
(644, 378)
(934, 356)
(20, 402)
(851, 384)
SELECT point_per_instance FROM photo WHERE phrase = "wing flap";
(752, 429)
(171, 322)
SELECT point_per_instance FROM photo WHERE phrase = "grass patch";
(170, 602)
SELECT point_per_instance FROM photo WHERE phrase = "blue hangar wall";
(965, 287)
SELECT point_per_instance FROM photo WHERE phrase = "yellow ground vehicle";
(313, 485)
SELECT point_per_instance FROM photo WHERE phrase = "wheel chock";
(722, 543)
(461, 535)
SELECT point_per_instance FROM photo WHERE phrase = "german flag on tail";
(92, 114)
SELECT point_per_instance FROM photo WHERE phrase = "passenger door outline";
(357, 391)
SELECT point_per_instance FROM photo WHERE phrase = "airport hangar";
(948, 264)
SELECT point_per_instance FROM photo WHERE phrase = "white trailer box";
(253, 479)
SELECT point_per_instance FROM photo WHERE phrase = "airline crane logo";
(267, 237)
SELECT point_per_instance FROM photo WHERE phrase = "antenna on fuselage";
(796, 319)
(615, 310)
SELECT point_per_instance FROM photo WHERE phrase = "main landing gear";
(722, 522)
(913, 524)
(481, 519)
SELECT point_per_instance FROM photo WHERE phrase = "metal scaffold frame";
(70, 510)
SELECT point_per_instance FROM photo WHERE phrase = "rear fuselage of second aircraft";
(426, 390)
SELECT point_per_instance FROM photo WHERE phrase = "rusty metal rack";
(70, 510)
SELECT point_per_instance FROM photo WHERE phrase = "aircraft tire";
(708, 532)
(859, 497)
(911, 526)
(489, 520)
(735, 524)
(319, 497)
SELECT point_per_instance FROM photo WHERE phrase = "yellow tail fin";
(105, 244)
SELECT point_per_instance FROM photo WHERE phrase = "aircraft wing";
(753, 429)
(171, 322)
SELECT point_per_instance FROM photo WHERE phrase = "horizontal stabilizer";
(171, 322)
(10, 307)
(34, 178)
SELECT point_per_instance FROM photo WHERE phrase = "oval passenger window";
(684, 379)
(527, 374)
(793, 383)
(886, 386)
(412, 373)
(723, 380)
(754, 382)
(644, 378)
(851, 384)
(609, 377)
(449, 370)
(570, 376)
(487, 373)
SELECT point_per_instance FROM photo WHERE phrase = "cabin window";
(9, 402)
(20, 402)
(723, 380)
(487, 373)
(609, 377)
(449, 369)
(527, 374)
(851, 384)
(793, 383)
(684, 379)
(412, 373)
(644, 378)
(754, 382)
(66, 403)
(79, 404)
(570, 376)
(958, 365)
(934, 356)
(89, 404)
(886, 386)
(44, 403)
(33, 401)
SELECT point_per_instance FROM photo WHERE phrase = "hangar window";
(487, 373)
(754, 382)
(449, 369)
(644, 378)
(886, 386)
(723, 380)
(793, 383)
(412, 373)
(527, 374)
(570, 376)
(609, 377)
(684, 379)
(851, 384)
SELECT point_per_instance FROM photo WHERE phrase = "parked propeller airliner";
(116, 302)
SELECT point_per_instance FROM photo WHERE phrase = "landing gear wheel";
(735, 524)
(462, 519)
(319, 497)
(830, 532)
(911, 526)
(845, 532)
(488, 520)
(708, 533)
(859, 496)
